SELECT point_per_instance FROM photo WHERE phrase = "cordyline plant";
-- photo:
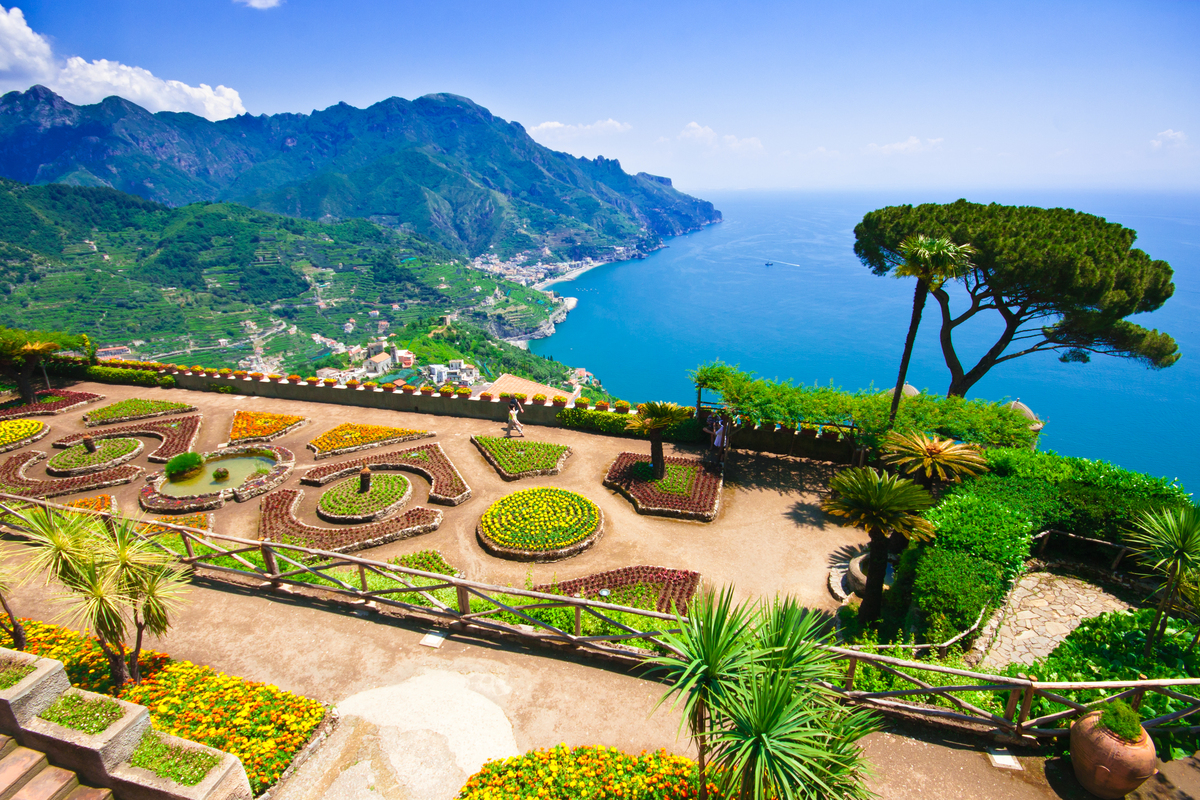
(112, 579)
(1168, 543)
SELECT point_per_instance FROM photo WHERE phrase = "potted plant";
(520, 396)
(447, 390)
(1111, 752)
(829, 433)
(621, 407)
(312, 380)
(808, 432)
(352, 384)
(408, 389)
(505, 396)
(370, 386)
(330, 382)
(273, 378)
(602, 405)
(255, 376)
(462, 391)
(582, 402)
(294, 379)
(559, 401)
(539, 399)
(427, 391)
(197, 370)
(226, 372)
(485, 397)
(388, 387)
(239, 373)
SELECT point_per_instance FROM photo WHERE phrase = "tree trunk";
(25, 380)
(918, 307)
(136, 667)
(1152, 634)
(872, 603)
(657, 459)
(699, 729)
(118, 670)
(16, 631)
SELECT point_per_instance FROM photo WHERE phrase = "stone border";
(54, 487)
(85, 470)
(660, 511)
(187, 409)
(304, 528)
(386, 461)
(146, 430)
(370, 517)
(541, 556)
(295, 426)
(151, 499)
(411, 437)
(30, 410)
(28, 439)
(532, 473)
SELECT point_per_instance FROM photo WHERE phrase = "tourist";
(718, 431)
(514, 408)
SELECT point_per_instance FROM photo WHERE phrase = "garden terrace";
(133, 409)
(429, 460)
(68, 401)
(691, 489)
(672, 589)
(15, 433)
(278, 523)
(350, 437)
(177, 435)
(13, 480)
(522, 458)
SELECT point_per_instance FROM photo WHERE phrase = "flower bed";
(543, 524)
(66, 402)
(177, 435)
(134, 408)
(16, 433)
(690, 490)
(262, 426)
(586, 773)
(152, 499)
(13, 480)
(446, 484)
(105, 503)
(76, 460)
(343, 502)
(350, 437)
(660, 588)
(278, 523)
(262, 725)
(201, 521)
(519, 458)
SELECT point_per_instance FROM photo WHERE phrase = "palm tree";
(880, 504)
(709, 653)
(932, 261)
(1168, 542)
(927, 456)
(652, 419)
(783, 741)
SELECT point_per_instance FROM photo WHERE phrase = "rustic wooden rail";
(634, 634)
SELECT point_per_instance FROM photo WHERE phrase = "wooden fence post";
(1011, 708)
(362, 577)
(1045, 541)
(269, 561)
(464, 603)
(578, 620)
(187, 545)
(850, 674)
(1120, 555)
(1026, 703)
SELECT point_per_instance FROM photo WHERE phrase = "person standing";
(514, 408)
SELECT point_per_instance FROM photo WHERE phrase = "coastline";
(573, 274)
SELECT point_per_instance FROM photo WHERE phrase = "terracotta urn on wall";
(1107, 765)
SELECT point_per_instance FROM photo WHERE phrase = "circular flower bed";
(76, 460)
(16, 433)
(586, 773)
(343, 502)
(542, 524)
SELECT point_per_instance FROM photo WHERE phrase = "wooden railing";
(634, 634)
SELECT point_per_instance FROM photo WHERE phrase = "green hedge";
(103, 374)
(984, 528)
(951, 587)
(611, 424)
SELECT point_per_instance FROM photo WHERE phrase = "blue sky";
(942, 95)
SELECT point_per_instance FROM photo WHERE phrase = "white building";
(379, 364)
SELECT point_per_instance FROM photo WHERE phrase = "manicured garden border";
(90, 468)
(678, 585)
(170, 412)
(153, 500)
(300, 423)
(655, 503)
(541, 556)
(12, 476)
(512, 476)
(319, 454)
(70, 401)
(177, 435)
(372, 516)
(447, 486)
(45, 429)
(278, 523)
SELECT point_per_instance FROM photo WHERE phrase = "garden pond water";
(202, 482)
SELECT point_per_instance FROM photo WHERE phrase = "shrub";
(183, 464)
(539, 398)
(1120, 719)
(954, 586)
(166, 381)
(983, 528)
(222, 388)
(689, 430)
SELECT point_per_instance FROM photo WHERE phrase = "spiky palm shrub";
(880, 504)
(652, 419)
(932, 457)
(1167, 541)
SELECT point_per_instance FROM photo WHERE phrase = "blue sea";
(817, 315)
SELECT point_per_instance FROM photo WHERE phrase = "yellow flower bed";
(260, 425)
(586, 773)
(100, 502)
(540, 519)
(350, 434)
(16, 430)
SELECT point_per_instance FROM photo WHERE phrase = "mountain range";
(440, 166)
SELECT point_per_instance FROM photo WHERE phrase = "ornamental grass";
(261, 724)
(586, 773)
(540, 519)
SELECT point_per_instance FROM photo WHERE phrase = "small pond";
(240, 468)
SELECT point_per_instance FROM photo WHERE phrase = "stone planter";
(1107, 765)
(856, 573)
(829, 435)
(808, 433)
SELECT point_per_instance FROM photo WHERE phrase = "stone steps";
(27, 774)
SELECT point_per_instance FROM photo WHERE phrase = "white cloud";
(910, 145)
(26, 58)
(1170, 138)
(696, 132)
(260, 3)
(558, 131)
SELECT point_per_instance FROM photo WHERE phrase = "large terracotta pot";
(1107, 765)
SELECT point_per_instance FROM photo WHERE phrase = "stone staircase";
(28, 775)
